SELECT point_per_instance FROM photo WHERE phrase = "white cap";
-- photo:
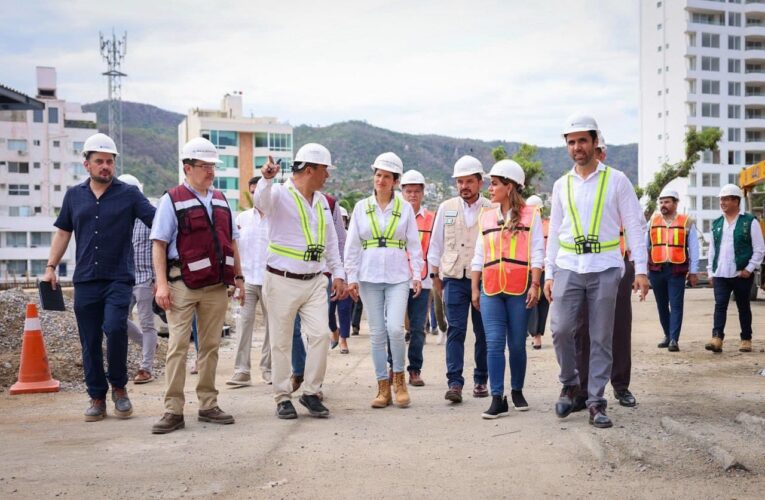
(467, 165)
(669, 193)
(389, 162)
(343, 211)
(130, 179)
(99, 143)
(601, 141)
(579, 122)
(509, 170)
(534, 201)
(201, 149)
(730, 190)
(412, 177)
(312, 153)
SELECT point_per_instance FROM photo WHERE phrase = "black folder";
(50, 299)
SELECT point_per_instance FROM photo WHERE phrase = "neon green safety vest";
(383, 240)
(314, 248)
(589, 243)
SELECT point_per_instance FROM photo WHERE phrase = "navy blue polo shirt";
(103, 229)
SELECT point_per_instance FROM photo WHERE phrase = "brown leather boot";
(402, 394)
(384, 397)
(415, 379)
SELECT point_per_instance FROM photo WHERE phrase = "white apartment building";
(702, 64)
(244, 143)
(40, 157)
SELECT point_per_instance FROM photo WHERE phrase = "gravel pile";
(62, 342)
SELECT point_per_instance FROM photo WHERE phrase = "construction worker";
(621, 367)
(253, 242)
(584, 265)
(382, 232)
(101, 212)
(143, 294)
(195, 259)
(538, 313)
(506, 272)
(452, 244)
(413, 189)
(737, 250)
(303, 243)
(673, 254)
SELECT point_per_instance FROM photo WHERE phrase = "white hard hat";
(467, 165)
(343, 211)
(669, 193)
(99, 143)
(730, 190)
(201, 149)
(534, 201)
(579, 122)
(312, 153)
(509, 170)
(130, 179)
(389, 162)
(601, 141)
(412, 177)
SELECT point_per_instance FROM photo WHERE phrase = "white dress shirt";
(620, 209)
(253, 243)
(284, 228)
(470, 214)
(382, 265)
(537, 246)
(726, 262)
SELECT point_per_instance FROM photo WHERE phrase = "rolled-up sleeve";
(165, 223)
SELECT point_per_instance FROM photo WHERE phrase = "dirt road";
(430, 449)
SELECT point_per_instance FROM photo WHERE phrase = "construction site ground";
(699, 414)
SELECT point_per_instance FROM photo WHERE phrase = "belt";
(287, 274)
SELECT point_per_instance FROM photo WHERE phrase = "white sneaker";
(239, 379)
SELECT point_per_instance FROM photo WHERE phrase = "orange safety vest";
(506, 253)
(668, 242)
(425, 227)
(622, 242)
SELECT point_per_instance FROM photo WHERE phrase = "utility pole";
(113, 51)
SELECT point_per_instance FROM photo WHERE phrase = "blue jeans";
(386, 305)
(505, 318)
(457, 302)
(101, 307)
(669, 290)
(343, 308)
(740, 287)
(417, 309)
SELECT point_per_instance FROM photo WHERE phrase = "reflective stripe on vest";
(506, 252)
(382, 240)
(589, 243)
(668, 242)
(314, 250)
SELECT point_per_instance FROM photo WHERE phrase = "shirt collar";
(209, 190)
(316, 194)
(600, 168)
(421, 211)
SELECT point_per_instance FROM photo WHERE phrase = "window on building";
(658, 4)
(734, 42)
(734, 111)
(17, 144)
(734, 157)
(692, 109)
(56, 165)
(658, 93)
(280, 142)
(16, 239)
(733, 178)
(709, 203)
(52, 115)
(700, 18)
(234, 205)
(734, 65)
(18, 189)
(229, 161)
(692, 202)
(753, 136)
(57, 188)
(56, 144)
(77, 147)
(221, 138)
(16, 167)
(710, 180)
(38, 267)
(38, 210)
(734, 88)
(706, 225)
(712, 157)
(260, 161)
(226, 183)
(261, 139)
(691, 86)
(41, 239)
(751, 158)
(710, 40)
(659, 137)
(658, 26)
(37, 187)
(37, 115)
(36, 164)
(19, 211)
(692, 179)
(692, 63)
(36, 142)
(709, 109)
(710, 87)
(16, 267)
(692, 39)
(734, 19)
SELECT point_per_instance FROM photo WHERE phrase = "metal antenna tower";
(113, 51)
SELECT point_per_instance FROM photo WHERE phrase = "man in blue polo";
(101, 212)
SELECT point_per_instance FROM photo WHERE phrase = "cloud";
(508, 70)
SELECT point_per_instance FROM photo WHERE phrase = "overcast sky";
(510, 70)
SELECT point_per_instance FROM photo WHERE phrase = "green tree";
(695, 144)
(525, 158)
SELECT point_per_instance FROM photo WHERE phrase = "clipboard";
(50, 299)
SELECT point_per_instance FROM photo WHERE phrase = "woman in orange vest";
(506, 273)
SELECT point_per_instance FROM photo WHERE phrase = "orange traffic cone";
(34, 372)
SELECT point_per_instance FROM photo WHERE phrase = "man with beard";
(453, 240)
(101, 212)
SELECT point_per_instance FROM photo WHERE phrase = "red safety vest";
(205, 247)
(506, 253)
(425, 227)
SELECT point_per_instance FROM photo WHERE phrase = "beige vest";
(459, 240)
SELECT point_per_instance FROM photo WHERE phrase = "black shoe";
(664, 343)
(355, 330)
(673, 347)
(285, 410)
(519, 402)
(497, 409)
(625, 398)
(565, 403)
(580, 403)
(314, 405)
(598, 417)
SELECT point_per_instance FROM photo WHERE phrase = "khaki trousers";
(209, 304)
(284, 298)
(253, 296)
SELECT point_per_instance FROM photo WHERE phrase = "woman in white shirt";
(381, 233)
(506, 271)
